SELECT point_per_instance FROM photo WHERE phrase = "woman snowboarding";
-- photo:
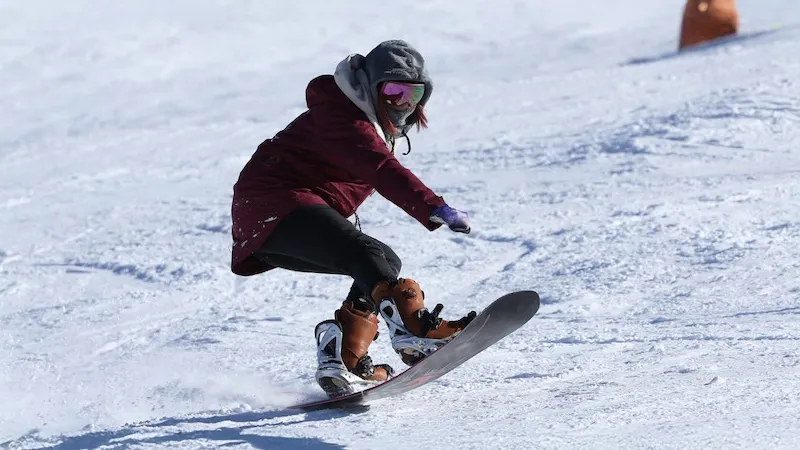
(293, 198)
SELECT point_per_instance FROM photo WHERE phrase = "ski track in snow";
(650, 197)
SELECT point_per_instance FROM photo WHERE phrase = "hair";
(420, 120)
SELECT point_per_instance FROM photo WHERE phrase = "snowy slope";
(651, 198)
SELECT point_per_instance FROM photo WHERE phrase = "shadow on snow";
(234, 431)
(703, 47)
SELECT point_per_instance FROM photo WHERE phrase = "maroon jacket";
(329, 155)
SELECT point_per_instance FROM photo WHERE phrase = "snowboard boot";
(415, 331)
(342, 344)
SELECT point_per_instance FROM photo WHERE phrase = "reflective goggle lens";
(403, 94)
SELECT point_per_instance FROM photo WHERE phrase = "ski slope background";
(652, 199)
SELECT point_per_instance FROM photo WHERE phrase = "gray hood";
(352, 81)
(396, 61)
(359, 76)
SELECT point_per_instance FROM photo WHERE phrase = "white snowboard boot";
(415, 331)
(343, 362)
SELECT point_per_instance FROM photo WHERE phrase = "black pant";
(318, 239)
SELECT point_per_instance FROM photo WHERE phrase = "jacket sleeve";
(355, 146)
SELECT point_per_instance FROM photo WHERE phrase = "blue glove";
(453, 218)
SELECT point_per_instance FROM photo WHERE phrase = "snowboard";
(498, 320)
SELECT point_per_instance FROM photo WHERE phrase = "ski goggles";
(401, 94)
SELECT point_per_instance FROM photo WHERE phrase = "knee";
(377, 247)
(393, 260)
(366, 248)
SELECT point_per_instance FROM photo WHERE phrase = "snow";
(650, 197)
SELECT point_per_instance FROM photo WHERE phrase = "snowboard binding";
(333, 375)
(415, 331)
(410, 347)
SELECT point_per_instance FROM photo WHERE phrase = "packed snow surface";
(651, 198)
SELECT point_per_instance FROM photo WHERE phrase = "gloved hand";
(453, 218)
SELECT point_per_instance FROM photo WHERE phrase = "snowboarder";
(292, 200)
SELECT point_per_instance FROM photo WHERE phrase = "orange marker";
(706, 20)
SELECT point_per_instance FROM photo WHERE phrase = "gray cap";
(397, 60)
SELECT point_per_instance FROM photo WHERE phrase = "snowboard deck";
(501, 318)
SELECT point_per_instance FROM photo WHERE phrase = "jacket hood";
(359, 76)
(352, 82)
(321, 90)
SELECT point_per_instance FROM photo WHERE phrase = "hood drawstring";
(358, 221)
(408, 141)
(392, 140)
